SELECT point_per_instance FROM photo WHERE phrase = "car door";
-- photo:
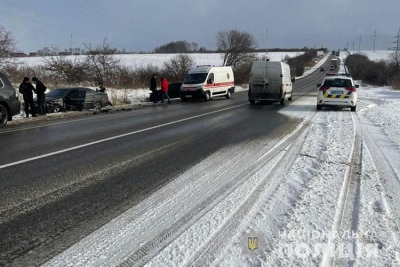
(70, 98)
(91, 98)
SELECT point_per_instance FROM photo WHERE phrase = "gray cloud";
(145, 24)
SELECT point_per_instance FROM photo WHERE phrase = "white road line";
(113, 138)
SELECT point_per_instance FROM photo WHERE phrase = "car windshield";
(57, 93)
(338, 83)
(195, 78)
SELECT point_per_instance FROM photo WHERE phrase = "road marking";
(114, 138)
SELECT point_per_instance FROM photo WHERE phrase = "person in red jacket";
(164, 90)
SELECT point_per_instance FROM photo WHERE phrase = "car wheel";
(252, 102)
(207, 96)
(283, 100)
(3, 116)
(57, 109)
(229, 94)
(319, 107)
(184, 99)
(291, 97)
(353, 109)
(97, 105)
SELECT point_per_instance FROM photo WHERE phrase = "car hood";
(51, 98)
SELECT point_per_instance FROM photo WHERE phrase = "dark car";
(322, 69)
(75, 98)
(174, 90)
(9, 103)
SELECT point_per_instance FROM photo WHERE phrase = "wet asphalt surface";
(50, 199)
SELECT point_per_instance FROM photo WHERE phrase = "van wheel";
(283, 100)
(207, 96)
(3, 116)
(252, 102)
(291, 97)
(229, 95)
(184, 99)
(353, 109)
(319, 107)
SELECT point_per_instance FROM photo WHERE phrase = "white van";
(270, 81)
(206, 82)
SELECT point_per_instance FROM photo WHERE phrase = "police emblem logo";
(252, 243)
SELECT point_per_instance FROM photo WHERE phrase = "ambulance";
(207, 82)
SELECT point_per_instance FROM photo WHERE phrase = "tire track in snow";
(312, 208)
(389, 182)
(346, 215)
(267, 187)
(151, 248)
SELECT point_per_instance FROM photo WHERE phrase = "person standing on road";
(26, 89)
(153, 87)
(164, 90)
(40, 90)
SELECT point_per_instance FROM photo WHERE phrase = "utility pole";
(359, 43)
(397, 47)
(375, 37)
(266, 46)
(72, 51)
(353, 46)
(347, 46)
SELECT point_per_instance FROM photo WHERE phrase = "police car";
(337, 91)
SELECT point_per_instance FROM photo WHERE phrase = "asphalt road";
(60, 182)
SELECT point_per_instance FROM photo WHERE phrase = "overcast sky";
(142, 25)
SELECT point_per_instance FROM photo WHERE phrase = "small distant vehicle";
(321, 69)
(9, 103)
(270, 81)
(207, 82)
(344, 74)
(337, 91)
(75, 98)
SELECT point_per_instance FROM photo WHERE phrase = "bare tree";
(103, 62)
(236, 46)
(65, 69)
(177, 68)
(7, 47)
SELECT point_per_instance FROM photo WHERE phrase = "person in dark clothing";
(102, 88)
(40, 90)
(27, 89)
(153, 87)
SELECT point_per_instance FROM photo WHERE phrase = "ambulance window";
(210, 79)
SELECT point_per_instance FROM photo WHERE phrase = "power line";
(99, 18)
(108, 11)
(50, 25)
(113, 20)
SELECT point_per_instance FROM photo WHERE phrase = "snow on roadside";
(381, 105)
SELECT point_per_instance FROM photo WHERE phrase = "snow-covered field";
(325, 192)
(377, 55)
(140, 60)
